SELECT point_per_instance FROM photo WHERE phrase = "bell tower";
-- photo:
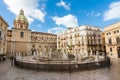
(21, 35)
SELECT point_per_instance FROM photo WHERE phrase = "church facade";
(20, 39)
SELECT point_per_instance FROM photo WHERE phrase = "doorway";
(118, 51)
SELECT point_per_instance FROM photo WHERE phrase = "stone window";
(110, 49)
(91, 42)
(108, 33)
(109, 41)
(117, 31)
(21, 34)
(114, 32)
(88, 42)
(118, 40)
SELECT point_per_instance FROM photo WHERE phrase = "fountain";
(60, 61)
(65, 56)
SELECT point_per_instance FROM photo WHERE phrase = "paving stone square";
(8, 72)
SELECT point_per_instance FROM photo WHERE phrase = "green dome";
(21, 17)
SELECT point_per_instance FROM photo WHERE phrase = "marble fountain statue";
(60, 61)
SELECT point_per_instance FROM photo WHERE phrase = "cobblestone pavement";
(8, 72)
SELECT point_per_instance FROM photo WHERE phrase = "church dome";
(21, 20)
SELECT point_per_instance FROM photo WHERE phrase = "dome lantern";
(21, 12)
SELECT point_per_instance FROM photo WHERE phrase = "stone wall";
(63, 67)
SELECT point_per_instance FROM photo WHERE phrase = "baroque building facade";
(3, 35)
(20, 39)
(83, 39)
(112, 40)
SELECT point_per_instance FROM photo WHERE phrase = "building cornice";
(4, 20)
(43, 33)
(21, 29)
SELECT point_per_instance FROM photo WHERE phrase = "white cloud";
(39, 25)
(56, 30)
(67, 21)
(113, 11)
(30, 8)
(93, 14)
(90, 13)
(33, 30)
(98, 14)
(63, 4)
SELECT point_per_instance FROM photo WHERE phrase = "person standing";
(12, 60)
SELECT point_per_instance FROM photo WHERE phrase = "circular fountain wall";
(60, 62)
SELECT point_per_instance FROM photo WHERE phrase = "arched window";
(21, 34)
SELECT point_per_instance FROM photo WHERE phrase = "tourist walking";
(12, 60)
(108, 61)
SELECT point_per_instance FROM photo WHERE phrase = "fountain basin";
(59, 65)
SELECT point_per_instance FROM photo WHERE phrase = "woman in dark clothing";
(12, 60)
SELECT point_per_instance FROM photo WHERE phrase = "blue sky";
(57, 15)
